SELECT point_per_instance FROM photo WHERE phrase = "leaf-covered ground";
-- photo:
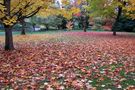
(69, 61)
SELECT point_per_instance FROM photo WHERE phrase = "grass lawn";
(69, 61)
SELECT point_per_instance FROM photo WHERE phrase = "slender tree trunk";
(114, 33)
(8, 38)
(113, 28)
(84, 28)
(47, 27)
(117, 20)
(84, 24)
(58, 27)
(23, 32)
(33, 27)
(83, 19)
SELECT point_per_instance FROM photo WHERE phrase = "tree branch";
(32, 13)
(2, 4)
(20, 10)
(16, 6)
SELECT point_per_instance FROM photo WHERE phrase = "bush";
(125, 24)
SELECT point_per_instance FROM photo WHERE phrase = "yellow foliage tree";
(131, 9)
(12, 11)
(65, 12)
(68, 10)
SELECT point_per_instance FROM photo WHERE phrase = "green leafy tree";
(51, 21)
(107, 8)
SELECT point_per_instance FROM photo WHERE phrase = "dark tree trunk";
(84, 28)
(8, 32)
(84, 22)
(33, 26)
(117, 20)
(23, 32)
(114, 33)
(59, 27)
(8, 38)
(47, 27)
(113, 28)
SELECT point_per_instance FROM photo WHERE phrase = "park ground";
(69, 61)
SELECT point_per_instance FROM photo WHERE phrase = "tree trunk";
(47, 27)
(84, 25)
(59, 27)
(113, 28)
(84, 29)
(8, 32)
(23, 32)
(83, 19)
(34, 27)
(117, 19)
(114, 33)
(8, 38)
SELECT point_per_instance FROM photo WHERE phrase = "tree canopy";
(131, 9)
(12, 11)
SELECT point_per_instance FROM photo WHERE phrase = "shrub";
(125, 24)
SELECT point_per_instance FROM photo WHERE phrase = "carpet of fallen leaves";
(69, 61)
